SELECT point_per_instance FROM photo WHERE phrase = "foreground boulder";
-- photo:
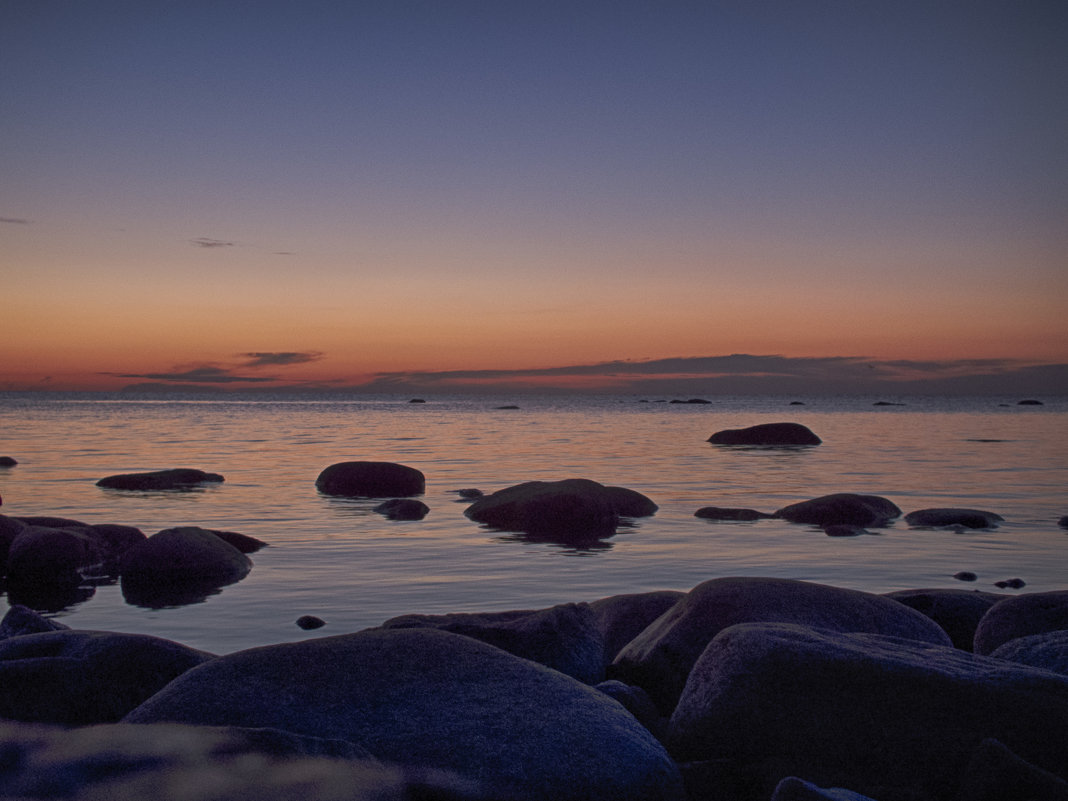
(565, 637)
(370, 480)
(439, 700)
(574, 509)
(660, 658)
(958, 612)
(1048, 651)
(842, 508)
(176, 478)
(966, 518)
(1021, 616)
(19, 620)
(882, 716)
(621, 618)
(768, 434)
(77, 678)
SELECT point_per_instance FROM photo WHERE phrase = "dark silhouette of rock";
(1012, 584)
(50, 555)
(1021, 616)
(309, 622)
(968, 518)
(958, 612)
(621, 618)
(243, 542)
(1063, 522)
(844, 530)
(1029, 402)
(699, 401)
(185, 554)
(470, 493)
(371, 480)
(728, 513)
(794, 789)
(965, 575)
(565, 637)
(508, 406)
(403, 509)
(995, 773)
(660, 657)
(572, 510)
(7, 461)
(9, 529)
(636, 701)
(438, 700)
(177, 478)
(78, 678)
(49, 521)
(769, 434)
(417, 400)
(883, 716)
(841, 508)
(887, 403)
(1048, 651)
(21, 620)
(797, 403)
(49, 597)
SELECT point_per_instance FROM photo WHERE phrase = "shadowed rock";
(659, 659)
(7, 461)
(243, 542)
(370, 480)
(180, 554)
(958, 612)
(968, 518)
(1048, 651)
(728, 513)
(883, 716)
(766, 434)
(403, 509)
(177, 478)
(21, 620)
(39, 555)
(621, 618)
(995, 773)
(435, 699)
(1021, 616)
(841, 508)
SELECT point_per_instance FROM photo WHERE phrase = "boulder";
(403, 509)
(1021, 616)
(21, 620)
(841, 508)
(173, 479)
(844, 530)
(574, 509)
(794, 789)
(180, 554)
(78, 678)
(9, 528)
(995, 773)
(968, 518)
(565, 637)
(243, 542)
(728, 513)
(767, 434)
(7, 461)
(1048, 651)
(39, 555)
(370, 480)
(1063, 522)
(435, 699)
(659, 659)
(958, 612)
(883, 716)
(621, 618)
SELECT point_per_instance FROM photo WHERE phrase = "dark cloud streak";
(277, 359)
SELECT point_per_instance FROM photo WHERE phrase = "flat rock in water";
(968, 518)
(730, 513)
(371, 480)
(766, 434)
(883, 716)
(1021, 616)
(660, 657)
(437, 700)
(842, 508)
(176, 478)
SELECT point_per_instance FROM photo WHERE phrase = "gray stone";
(966, 518)
(20, 620)
(435, 699)
(1048, 651)
(842, 508)
(660, 658)
(175, 478)
(370, 480)
(768, 434)
(882, 716)
(1021, 616)
(958, 612)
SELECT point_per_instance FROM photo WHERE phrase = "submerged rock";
(370, 480)
(766, 434)
(177, 478)
(968, 518)
(403, 509)
(729, 513)
(842, 508)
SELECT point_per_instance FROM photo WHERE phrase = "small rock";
(968, 518)
(470, 493)
(177, 478)
(1013, 583)
(965, 575)
(767, 434)
(417, 400)
(1029, 402)
(309, 622)
(403, 509)
(728, 513)
(844, 530)
(843, 507)
(1063, 522)
(370, 480)
(7, 461)
(692, 400)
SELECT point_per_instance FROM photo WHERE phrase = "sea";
(339, 560)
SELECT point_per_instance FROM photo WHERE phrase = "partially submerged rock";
(730, 513)
(967, 518)
(769, 434)
(371, 480)
(176, 478)
(842, 508)
(403, 509)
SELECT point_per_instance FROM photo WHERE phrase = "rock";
(7, 461)
(636, 701)
(21, 620)
(371, 480)
(574, 509)
(507, 406)
(794, 789)
(659, 659)
(841, 508)
(995, 773)
(882, 716)
(844, 530)
(1012, 584)
(114, 540)
(887, 403)
(698, 401)
(621, 618)
(438, 700)
(417, 400)
(1048, 651)
(1021, 616)
(309, 622)
(39, 555)
(565, 637)
(403, 509)
(48, 521)
(469, 493)
(78, 678)
(965, 575)
(1029, 402)
(1063, 522)
(243, 542)
(9, 529)
(958, 612)
(177, 478)
(969, 518)
(175, 555)
(728, 513)
(769, 434)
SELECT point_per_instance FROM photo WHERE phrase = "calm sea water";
(337, 559)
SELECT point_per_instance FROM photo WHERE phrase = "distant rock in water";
(1011, 584)
(727, 513)
(7, 461)
(310, 622)
(965, 575)
(177, 478)
(968, 518)
(370, 480)
(417, 400)
(692, 400)
(470, 493)
(887, 403)
(844, 530)
(403, 509)
(797, 403)
(508, 406)
(1030, 402)
(766, 434)
(1063, 522)
(842, 508)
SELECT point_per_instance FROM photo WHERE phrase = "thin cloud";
(205, 374)
(276, 359)
(207, 242)
(14, 220)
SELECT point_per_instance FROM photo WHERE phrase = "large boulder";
(174, 479)
(621, 618)
(883, 716)
(574, 509)
(958, 612)
(1021, 616)
(842, 508)
(183, 553)
(767, 434)
(1048, 651)
(371, 480)
(660, 658)
(77, 678)
(965, 518)
(435, 699)
(565, 637)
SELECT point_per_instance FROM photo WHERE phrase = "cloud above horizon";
(283, 358)
(208, 242)
(14, 220)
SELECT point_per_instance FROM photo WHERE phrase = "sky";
(420, 196)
